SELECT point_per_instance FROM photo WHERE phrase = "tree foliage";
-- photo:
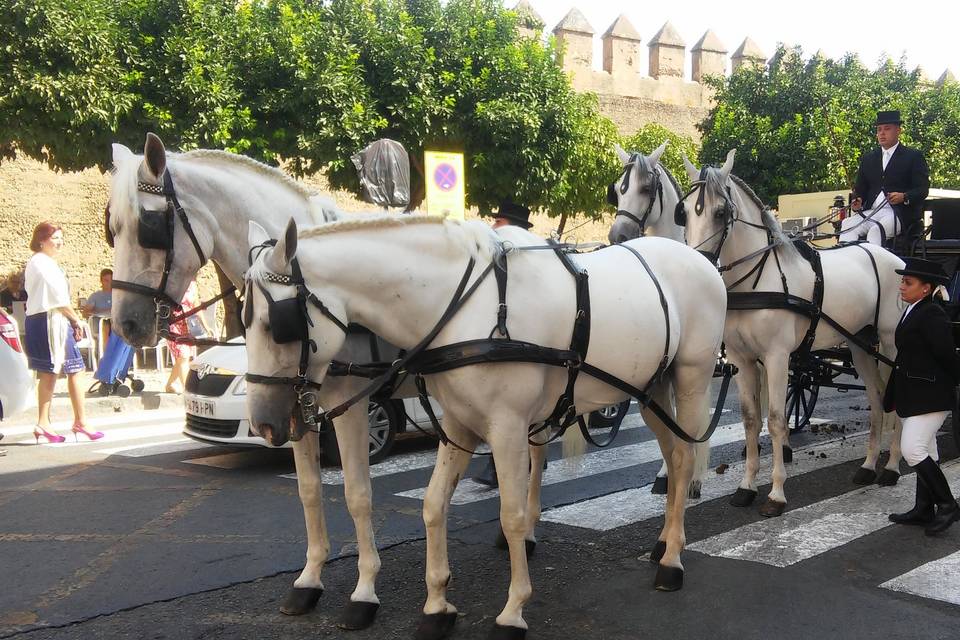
(801, 125)
(311, 83)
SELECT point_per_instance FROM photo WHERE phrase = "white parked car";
(16, 383)
(216, 405)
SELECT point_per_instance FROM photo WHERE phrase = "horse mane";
(477, 238)
(254, 165)
(769, 221)
(673, 181)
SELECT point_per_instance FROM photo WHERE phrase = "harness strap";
(665, 361)
(500, 272)
(459, 298)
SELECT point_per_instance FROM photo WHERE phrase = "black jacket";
(906, 172)
(925, 378)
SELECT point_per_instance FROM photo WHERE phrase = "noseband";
(155, 230)
(654, 190)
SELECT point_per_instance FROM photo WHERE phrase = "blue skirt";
(37, 346)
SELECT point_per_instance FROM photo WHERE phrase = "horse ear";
(654, 157)
(623, 155)
(692, 172)
(154, 155)
(728, 165)
(256, 235)
(286, 248)
(120, 154)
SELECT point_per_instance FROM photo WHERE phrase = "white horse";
(726, 221)
(646, 195)
(396, 275)
(221, 193)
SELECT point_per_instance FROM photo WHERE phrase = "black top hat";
(888, 117)
(925, 270)
(517, 214)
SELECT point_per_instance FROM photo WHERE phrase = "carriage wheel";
(802, 393)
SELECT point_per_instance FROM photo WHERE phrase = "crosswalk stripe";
(595, 462)
(937, 580)
(119, 434)
(635, 505)
(803, 533)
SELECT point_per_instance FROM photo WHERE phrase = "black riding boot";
(948, 511)
(922, 512)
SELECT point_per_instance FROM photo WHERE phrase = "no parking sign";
(446, 190)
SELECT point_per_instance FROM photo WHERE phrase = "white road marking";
(156, 448)
(145, 417)
(635, 505)
(809, 531)
(592, 463)
(119, 434)
(939, 580)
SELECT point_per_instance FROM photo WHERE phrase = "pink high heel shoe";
(52, 438)
(78, 428)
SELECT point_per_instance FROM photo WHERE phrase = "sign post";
(446, 188)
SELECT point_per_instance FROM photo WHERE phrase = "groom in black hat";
(512, 213)
(892, 184)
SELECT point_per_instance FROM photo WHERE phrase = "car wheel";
(385, 421)
(609, 416)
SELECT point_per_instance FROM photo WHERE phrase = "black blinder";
(106, 227)
(155, 229)
(288, 321)
(247, 311)
(680, 214)
(612, 194)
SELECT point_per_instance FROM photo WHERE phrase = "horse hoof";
(300, 601)
(743, 497)
(660, 486)
(772, 509)
(500, 632)
(888, 478)
(694, 491)
(358, 615)
(787, 454)
(434, 626)
(864, 476)
(658, 550)
(501, 543)
(668, 578)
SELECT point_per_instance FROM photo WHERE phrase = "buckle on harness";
(308, 407)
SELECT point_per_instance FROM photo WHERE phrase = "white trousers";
(919, 437)
(870, 229)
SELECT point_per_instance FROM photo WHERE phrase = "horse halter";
(654, 190)
(155, 230)
(726, 212)
(289, 319)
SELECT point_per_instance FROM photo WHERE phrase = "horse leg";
(748, 388)
(308, 587)
(667, 441)
(776, 365)
(662, 480)
(353, 439)
(509, 443)
(659, 485)
(692, 383)
(439, 615)
(870, 373)
(538, 455)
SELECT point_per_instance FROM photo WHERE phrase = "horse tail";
(574, 444)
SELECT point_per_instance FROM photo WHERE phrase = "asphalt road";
(148, 535)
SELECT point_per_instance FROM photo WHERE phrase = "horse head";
(641, 198)
(155, 254)
(288, 347)
(708, 209)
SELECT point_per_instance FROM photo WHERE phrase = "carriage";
(936, 239)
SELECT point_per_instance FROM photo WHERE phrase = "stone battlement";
(636, 87)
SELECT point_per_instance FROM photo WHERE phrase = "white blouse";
(46, 284)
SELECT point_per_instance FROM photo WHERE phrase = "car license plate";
(200, 407)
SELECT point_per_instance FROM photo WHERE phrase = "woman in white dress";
(52, 329)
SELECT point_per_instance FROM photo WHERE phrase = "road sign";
(446, 190)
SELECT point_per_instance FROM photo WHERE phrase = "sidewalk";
(152, 397)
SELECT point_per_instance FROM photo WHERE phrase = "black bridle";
(654, 190)
(728, 212)
(155, 230)
(289, 320)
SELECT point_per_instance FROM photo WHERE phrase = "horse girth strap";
(484, 351)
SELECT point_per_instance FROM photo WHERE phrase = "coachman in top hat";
(892, 184)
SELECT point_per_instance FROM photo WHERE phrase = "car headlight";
(241, 388)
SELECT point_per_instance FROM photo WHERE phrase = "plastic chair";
(88, 343)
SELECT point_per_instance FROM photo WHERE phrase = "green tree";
(802, 125)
